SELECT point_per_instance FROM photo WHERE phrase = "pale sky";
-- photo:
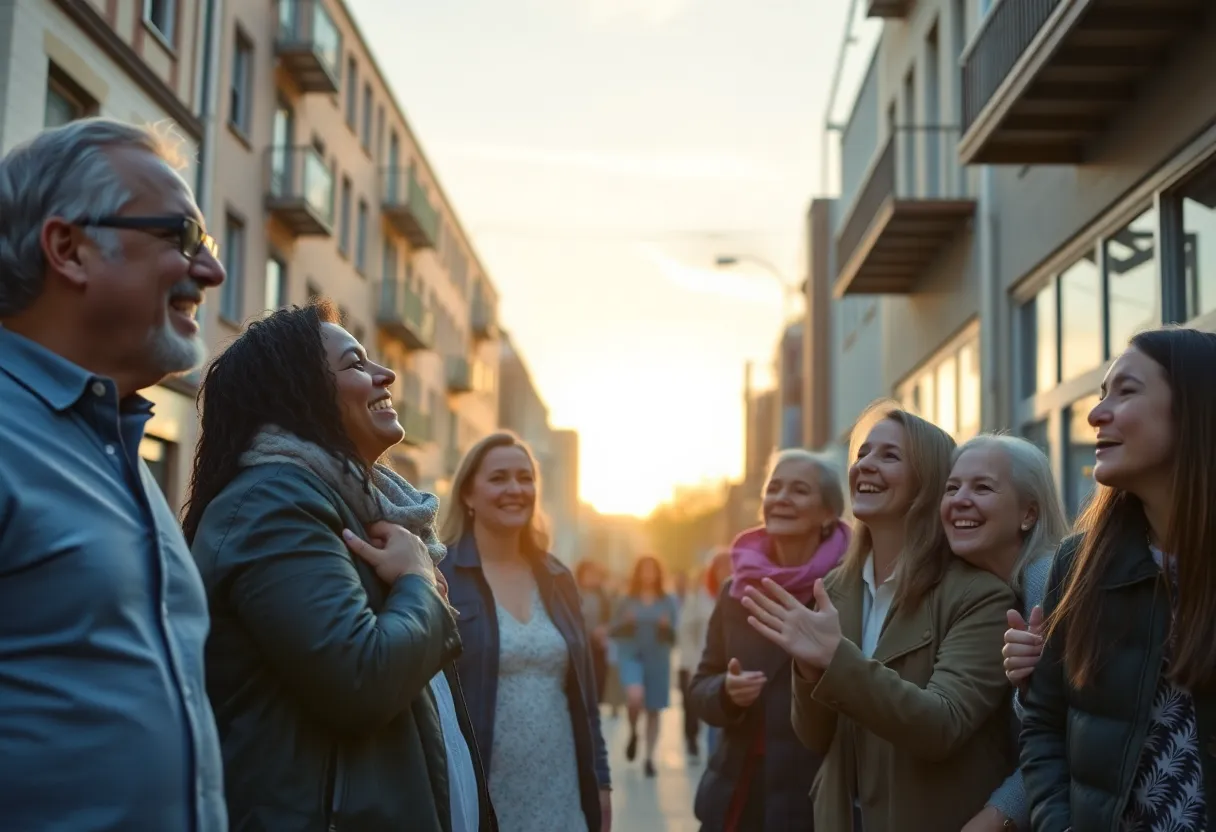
(600, 153)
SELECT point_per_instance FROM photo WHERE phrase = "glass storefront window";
(1131, 279)
(1080, 318)
(1199, 242)
(968, 391)
(1039, 330)
(1079, 462)
(947, 396)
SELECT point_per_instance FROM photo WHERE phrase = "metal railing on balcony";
(482, 320)
(1006, 32)
(309, 45)
(459, 374)
(405, 315)
(405, 202)
(300, 190)
(913, 198)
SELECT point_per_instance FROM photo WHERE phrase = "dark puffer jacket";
(318, 672)
(1081, 748)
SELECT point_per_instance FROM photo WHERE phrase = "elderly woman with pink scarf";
(760, 775)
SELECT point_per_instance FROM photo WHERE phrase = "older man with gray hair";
(104, 719)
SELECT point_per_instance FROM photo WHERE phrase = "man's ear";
(63, 251)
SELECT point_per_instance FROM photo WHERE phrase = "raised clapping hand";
(810, 636)
(1023, 646)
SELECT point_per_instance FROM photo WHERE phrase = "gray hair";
(63, 172)
(1035, 486)
(831, 490)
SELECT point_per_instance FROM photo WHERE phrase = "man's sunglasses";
(189, 233)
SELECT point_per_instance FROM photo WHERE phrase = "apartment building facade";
(136, 60)
(322, 188)
(1024, 185)
(522, 410)
(308, 175)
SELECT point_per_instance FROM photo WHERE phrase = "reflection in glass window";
(1079, 464)
(1039, 336)
(968, 391)
(1131, 279)
(1080, 318)
(1199, 242)
(947, 396)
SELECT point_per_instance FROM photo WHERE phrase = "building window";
(352, 91)
(161, 15)
(158, 455)
(367, 117)
(1198, 197)
(947, 391)
(65, 100)
(233, 287)
(344, 219)
(969, 391)
(241, 92)
(380, 135)
(276, 284)
(1079, 465)
(1132, 291)
(361, 239)
(1081, 342)
(389, 260)
(1040, 361)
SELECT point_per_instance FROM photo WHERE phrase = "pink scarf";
(750, 556)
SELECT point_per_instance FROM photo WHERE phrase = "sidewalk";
(662, 803)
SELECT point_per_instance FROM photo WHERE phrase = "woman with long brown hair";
(1121, 708)
(893, 679)
(529, 674)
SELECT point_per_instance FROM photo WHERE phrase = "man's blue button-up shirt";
(104, 718)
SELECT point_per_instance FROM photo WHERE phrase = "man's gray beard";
(173, 353)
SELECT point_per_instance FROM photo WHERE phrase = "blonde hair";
(827, 477)
(926, 554)
(457, 521)
(1030, 471)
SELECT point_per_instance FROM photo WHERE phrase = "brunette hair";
(456, 521)
(926, 554)
(635, 577)
(1187, 357)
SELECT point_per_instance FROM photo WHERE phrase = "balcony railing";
(459, 374)
(417, 425)
(300, 190)
(404, 315)
(309, 45)
(1042, 78)
(482, 320)
(913, 202)
(405, 203)
(887, 8)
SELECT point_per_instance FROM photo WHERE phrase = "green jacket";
(318, 672)
(1081, 748)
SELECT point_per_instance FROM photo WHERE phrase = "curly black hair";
(275, 372)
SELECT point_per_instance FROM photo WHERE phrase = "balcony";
(459, 374)
(404, 315)
(406, 205)
(482, 321)
(1043, 78)
(300, 191)
(417, 426)
(895, 9)
(912, 204)
(309, 45)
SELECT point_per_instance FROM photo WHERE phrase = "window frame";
(232, 291)
(241, 121)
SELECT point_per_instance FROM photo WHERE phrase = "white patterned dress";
(1167, 792)
(533, 766)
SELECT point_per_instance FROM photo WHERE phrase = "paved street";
(662, 804)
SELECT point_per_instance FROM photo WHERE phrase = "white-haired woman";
(760, 775)
(1001, 512)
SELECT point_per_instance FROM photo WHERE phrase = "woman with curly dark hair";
(331, 676)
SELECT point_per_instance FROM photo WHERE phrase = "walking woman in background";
(597, 615)
(331, 677)
(644, 628)
(527, 666)
(1121, 708)
(695, 612)
(759, 779)
(896, 677)
(1002, 513)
